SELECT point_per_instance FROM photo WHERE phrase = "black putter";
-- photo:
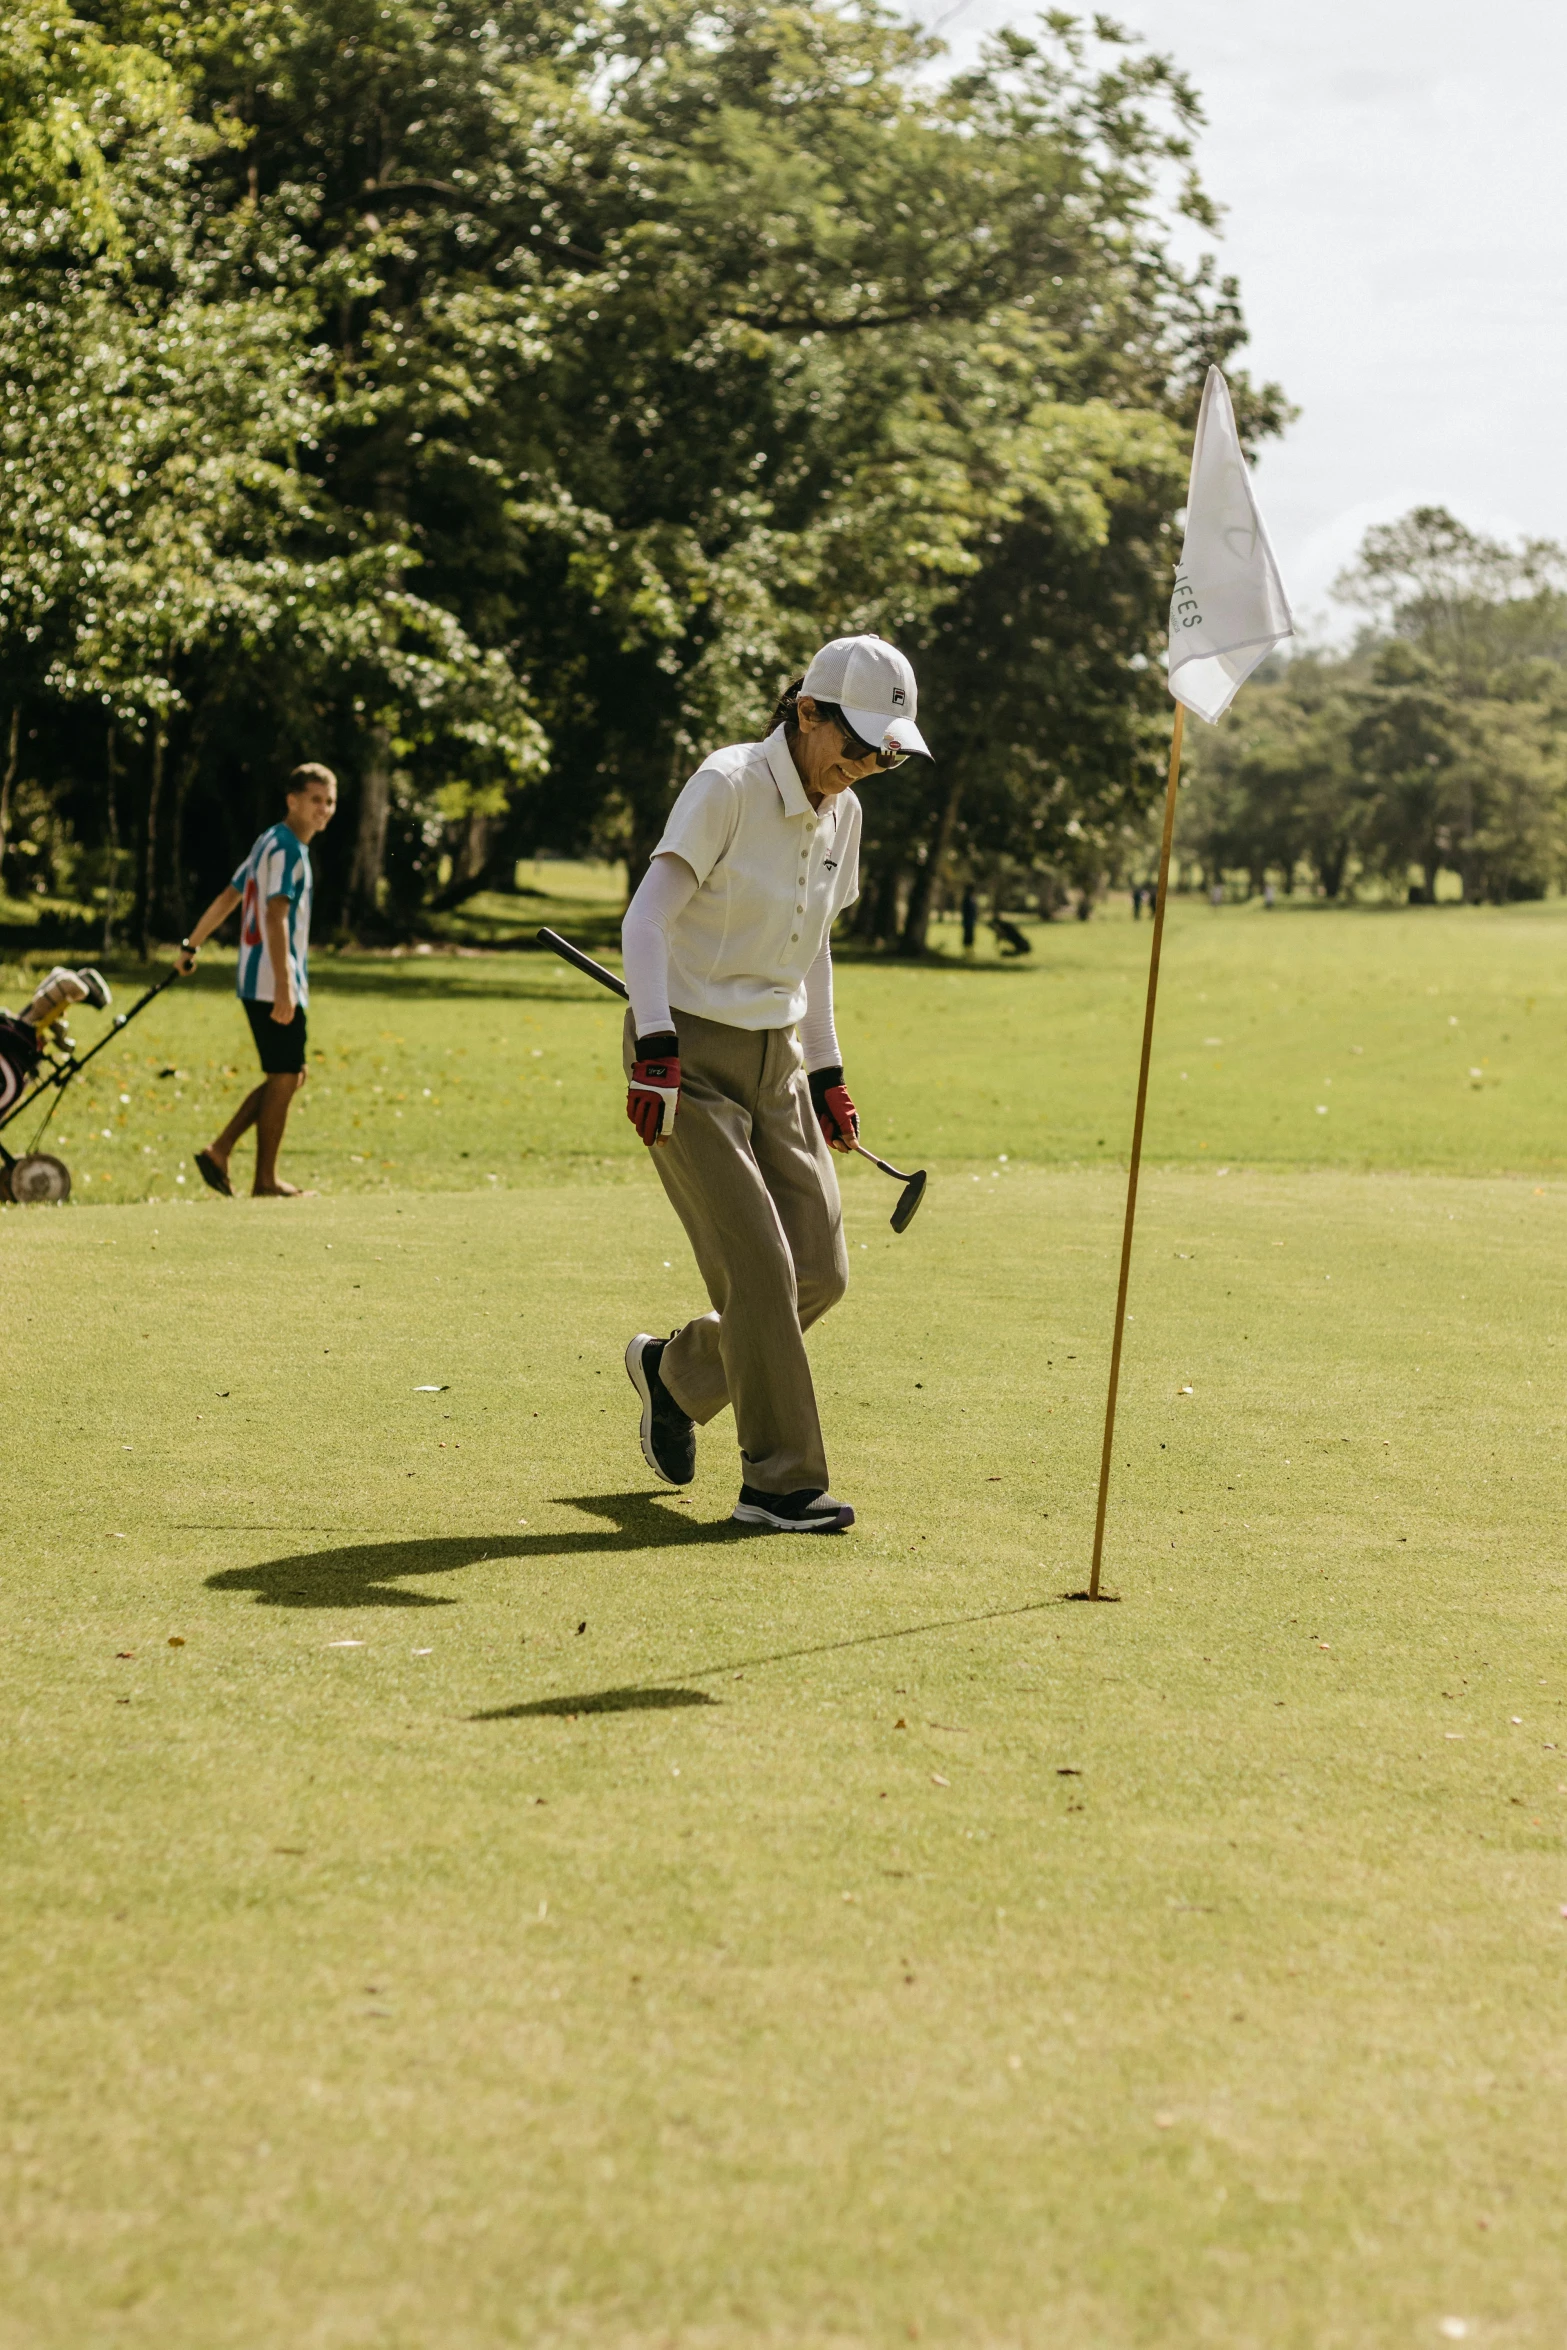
(913, 1185)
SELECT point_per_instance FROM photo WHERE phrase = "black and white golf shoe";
(805, 1512)
(668, 1437)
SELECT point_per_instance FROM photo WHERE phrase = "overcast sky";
(1394, 174)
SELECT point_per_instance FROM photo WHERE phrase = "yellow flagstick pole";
(1137, 1149)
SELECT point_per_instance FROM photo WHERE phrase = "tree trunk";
(863, 922)
(470, 863)
(375, 807)
(160, 743)
(646, 833)
(12, 756)
(172, 907)
(929, 877)
(884, 923)
(111, 773)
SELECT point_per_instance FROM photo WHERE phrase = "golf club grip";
(570, 954)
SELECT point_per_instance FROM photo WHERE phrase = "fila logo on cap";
(899, 697)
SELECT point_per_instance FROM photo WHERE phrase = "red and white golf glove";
(654, 1091)
(836, 1114)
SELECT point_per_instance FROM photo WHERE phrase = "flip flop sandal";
(212, 1174)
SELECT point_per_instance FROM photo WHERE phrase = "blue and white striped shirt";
(277, 867)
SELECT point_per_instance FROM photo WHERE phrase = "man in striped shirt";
(272, 888)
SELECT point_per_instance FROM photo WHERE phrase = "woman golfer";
(736, 1076)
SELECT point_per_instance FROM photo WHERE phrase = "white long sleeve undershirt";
(666, 889)
(818, 1036)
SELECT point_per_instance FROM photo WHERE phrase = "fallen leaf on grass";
(937, 1780)
(176, 1639)
(1067, 1771)
(127, 1654)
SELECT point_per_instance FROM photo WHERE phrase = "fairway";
(462, 1896)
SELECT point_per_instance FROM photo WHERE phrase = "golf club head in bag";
(61, 988)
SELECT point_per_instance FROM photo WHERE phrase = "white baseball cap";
(873, 685)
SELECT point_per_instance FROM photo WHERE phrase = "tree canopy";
(1438, 743)
(501, 402)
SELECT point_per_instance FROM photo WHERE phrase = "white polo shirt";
(774, 876)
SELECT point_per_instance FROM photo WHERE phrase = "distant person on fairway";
(970, 918)
(736, 1076)
(273, 887)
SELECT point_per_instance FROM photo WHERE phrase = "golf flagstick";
(1227, 613)
(1171, 789)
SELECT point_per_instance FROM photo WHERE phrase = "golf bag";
(18, 1058)
(26, 1046)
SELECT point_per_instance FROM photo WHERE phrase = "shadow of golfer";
(367, 1574)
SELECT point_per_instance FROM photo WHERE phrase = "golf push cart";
(38, 1060)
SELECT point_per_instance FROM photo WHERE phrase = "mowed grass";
(1429, 1037)
(523, 1910)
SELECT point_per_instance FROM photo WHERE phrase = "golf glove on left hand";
(836, 1114)
(654, 1091)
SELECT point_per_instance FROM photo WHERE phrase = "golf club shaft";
(123, 1020)
(574, 955)
(882, 1164)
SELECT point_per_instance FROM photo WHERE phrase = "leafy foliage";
(1437, 744)
(501, 402)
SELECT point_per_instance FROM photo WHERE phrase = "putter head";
(913, 1192)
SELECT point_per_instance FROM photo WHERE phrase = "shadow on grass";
(600, 1701)
(652, 1695)
(366, 1574)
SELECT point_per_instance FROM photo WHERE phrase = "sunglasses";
(886, 760)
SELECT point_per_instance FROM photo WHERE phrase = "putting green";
(462, 1895)
(519, 1910)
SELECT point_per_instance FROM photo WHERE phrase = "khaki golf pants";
(752, 1181)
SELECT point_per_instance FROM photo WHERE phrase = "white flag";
(1229, 608)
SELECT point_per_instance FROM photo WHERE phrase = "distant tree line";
(1437, 744)
(500, 400)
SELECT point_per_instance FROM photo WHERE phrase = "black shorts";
(282, 1047)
